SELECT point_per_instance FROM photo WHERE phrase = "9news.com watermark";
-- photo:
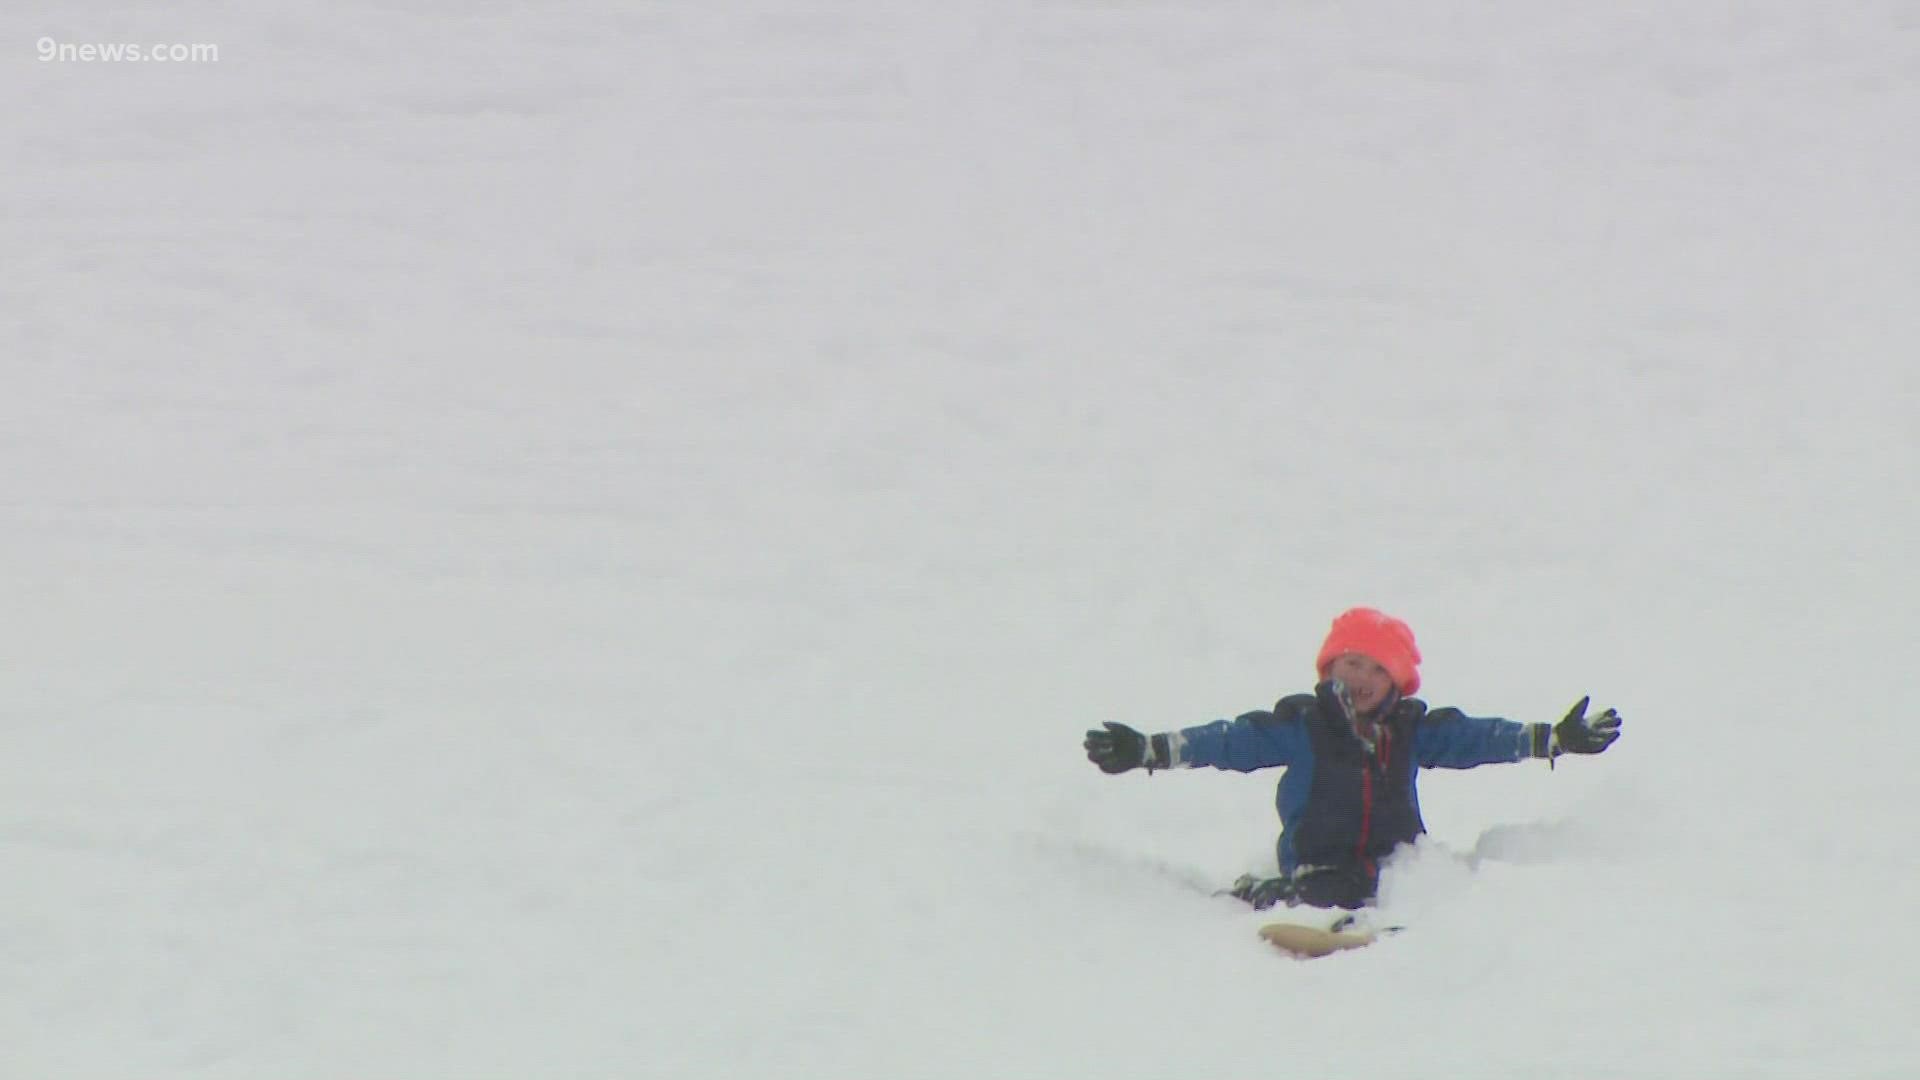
(51, 51)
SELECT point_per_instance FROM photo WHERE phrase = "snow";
(581, 541)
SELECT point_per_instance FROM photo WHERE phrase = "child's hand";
(1583, 734)
(1116, 749)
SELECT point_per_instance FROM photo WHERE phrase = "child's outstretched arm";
(1255, 740)
(1450, 739)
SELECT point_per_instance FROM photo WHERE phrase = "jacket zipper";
(1366, 817)
(1366, 800)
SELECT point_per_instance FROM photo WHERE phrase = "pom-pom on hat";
(1381, 637)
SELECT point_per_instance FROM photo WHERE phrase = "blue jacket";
(1342, 803)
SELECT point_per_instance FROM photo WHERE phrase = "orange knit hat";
(1381, 637)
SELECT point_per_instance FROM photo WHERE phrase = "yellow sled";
(1311, 942)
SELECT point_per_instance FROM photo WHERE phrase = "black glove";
(1583, 734)
(1262, 893)
(1120, 748)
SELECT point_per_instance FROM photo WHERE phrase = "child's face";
(1366, 680)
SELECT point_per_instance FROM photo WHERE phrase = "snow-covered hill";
(581, 542)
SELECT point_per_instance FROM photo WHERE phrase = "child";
(1353, 750)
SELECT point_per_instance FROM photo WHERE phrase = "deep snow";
(582, 541)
